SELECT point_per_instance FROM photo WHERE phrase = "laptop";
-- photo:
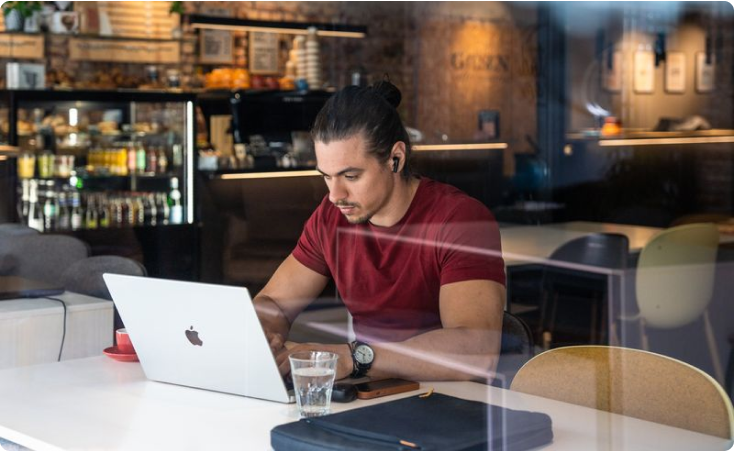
(198, 335)
(15, 287)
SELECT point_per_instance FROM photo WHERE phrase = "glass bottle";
(64, 222)
(151, 212)
(91, 219)
(132, 159)
(162, 161)
(25, 204)
(76, 212)
(140, 163)
(174, 201)
(50, 211)
(35, 215)
(139, 210)
(103, 213)
(164, 210)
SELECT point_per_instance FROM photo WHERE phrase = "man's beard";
(352, 219)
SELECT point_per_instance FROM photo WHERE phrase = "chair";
(603, 250)
(85, 276)
(515, 350)
(40, 256)
(675, 282)
(15, 229)
(729, 381)
(630, 382)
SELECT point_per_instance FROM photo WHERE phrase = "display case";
(111, 167)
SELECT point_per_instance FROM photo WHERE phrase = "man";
(417, 263)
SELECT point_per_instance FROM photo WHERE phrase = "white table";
(98, 403)
(31, 329)
(526, 244)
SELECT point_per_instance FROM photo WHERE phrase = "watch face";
(364, 354)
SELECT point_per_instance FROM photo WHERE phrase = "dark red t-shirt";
(390, 277)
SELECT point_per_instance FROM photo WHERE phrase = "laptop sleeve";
(436, 422)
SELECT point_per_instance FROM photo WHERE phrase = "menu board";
(19, 46)
(263, 53)
(124, 51)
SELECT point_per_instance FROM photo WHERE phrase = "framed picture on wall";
(675, 73)
(216, 46)
(644, 72)
(704, 73)
(489, 125)
(612, 69)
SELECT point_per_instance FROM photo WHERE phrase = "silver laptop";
(198, 335)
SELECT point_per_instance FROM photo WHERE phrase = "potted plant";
(176, 8)
(17, 12)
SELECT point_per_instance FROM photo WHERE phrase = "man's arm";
(466, 348)
(291, 289)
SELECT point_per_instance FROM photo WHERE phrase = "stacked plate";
(313, 59)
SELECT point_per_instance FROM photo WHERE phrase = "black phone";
(384, 387)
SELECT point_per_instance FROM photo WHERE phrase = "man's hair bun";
(388, 91)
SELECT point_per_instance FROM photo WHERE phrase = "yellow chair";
(675, 282)
(630, 382)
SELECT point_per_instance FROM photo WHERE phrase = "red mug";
(124, 345)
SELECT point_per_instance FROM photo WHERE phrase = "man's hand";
(276, 342)
(344, 365)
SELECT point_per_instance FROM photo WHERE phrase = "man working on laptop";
(417, 263)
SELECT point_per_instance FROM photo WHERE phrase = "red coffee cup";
(124, 345)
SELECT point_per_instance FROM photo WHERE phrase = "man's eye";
(351, 177)
(326, 177)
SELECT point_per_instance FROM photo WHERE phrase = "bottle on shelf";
(50, 210)
(35, 215)
(141, 157)
(77, 218)
(174, 199)
(103, 213)
(162, 207)
(132, 159)
(162, 161)
(25, 201)
(91, 220)
(151, 212)
(64, 222)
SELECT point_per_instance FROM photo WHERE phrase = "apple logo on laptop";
(193, 337)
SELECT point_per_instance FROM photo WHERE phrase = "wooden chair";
(630, 382)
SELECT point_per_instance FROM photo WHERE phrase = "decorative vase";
(32, 24)
(14, 21)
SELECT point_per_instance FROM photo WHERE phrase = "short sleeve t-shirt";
(390, 277)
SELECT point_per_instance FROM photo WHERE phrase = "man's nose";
(337, 191)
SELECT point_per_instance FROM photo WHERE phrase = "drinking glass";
(313, 375)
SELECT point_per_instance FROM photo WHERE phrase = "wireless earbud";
(395, 163)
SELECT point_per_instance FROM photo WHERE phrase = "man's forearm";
(442, 354)
(272, 318)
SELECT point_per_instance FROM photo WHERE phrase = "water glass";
(313, 375)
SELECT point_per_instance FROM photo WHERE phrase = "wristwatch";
(362, 356)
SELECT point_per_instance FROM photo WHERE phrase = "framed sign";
(644, 72)
(263, 53)
(704, 73)
(613, 72)
(216, 47)
(675, 73)
(489, 124)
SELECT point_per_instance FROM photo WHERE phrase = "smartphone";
(384, 387)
